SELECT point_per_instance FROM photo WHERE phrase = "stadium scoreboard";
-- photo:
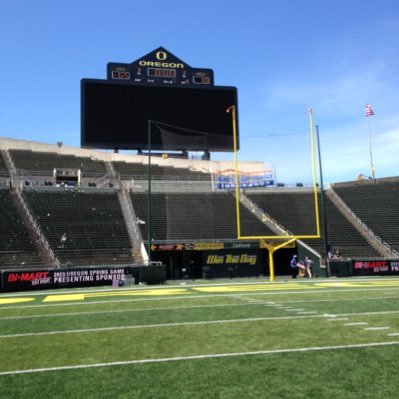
(162, 68)
(186, 111)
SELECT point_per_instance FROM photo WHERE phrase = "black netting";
(179, 138)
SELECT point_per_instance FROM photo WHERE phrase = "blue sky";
(283, 56)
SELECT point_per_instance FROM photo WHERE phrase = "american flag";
(368, 110)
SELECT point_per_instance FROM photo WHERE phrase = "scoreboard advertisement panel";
(183, 108)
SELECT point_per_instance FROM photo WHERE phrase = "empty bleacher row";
(140, 171)
(82, 228)
(199, 216)
(377, 205)
(295, 211)
(27, 160)
(43, 163)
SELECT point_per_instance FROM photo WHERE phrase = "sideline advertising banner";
(233, 263)
(39, 279)
(375, 267)
(225, 179)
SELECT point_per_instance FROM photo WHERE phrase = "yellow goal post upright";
(275, 242)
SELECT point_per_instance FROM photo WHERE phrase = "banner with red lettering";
(56, 278)
(375, 267)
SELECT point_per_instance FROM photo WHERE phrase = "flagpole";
(371, 152)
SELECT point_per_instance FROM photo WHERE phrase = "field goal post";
(270, 241)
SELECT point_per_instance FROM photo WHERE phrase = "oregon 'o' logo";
(161, 55)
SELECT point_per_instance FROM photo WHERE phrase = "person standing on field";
(309, 266)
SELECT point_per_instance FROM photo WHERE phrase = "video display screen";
(117, 115)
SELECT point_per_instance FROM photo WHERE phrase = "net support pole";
(232, 110)
(322, 198)
(316, 201)
(149, 194)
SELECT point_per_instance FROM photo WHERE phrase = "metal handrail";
(37, 229)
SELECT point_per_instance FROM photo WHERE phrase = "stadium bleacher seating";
(96, 231)
(140, 171)
(17, 247)
(376, 205)
(294, 210)
(93, 225)
(46, 162)
(199, 216)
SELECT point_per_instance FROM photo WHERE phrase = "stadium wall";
(194, 164)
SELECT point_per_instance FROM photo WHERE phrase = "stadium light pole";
(149, 193)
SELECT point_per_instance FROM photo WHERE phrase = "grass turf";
(342, 373)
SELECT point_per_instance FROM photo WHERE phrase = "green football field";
(336, 338)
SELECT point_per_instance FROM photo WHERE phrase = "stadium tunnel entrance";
(224, 263)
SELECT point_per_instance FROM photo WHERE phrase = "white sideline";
(199, 357)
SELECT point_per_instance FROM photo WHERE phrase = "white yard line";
(376, 328)
(338, 319)
(308, 312)
(199, 357)
(161, 325)
(275, 318)
(341, 316)
(369, 313)
(122, 311)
